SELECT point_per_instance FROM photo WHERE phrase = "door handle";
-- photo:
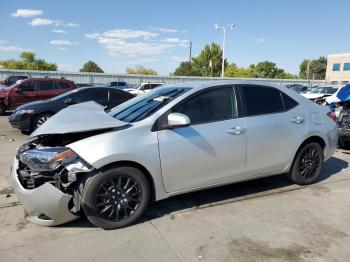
(235, 130)
(297, 120)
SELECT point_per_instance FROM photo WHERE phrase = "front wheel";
(40, 120)
(2, 109)
(307, 164)
(116, 198)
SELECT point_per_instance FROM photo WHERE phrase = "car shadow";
(224, 194)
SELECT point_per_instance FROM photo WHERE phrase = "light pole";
(224, 28)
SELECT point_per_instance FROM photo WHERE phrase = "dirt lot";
(263, 220)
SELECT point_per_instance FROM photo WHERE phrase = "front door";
(211, 150)
(24, 93)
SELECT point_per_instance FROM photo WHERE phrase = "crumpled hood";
(78, 118)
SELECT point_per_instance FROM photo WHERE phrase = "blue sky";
(121, 34)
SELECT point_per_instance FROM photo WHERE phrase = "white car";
(169, 141)
(320, 92)
(142, 88)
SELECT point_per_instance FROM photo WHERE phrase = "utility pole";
(224, 28)
(190, 53)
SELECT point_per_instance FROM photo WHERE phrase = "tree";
(315, 69)
(186, 69)
(140, 70)
(265, 69)
(232, 70)
(210, 55)
(91, 66)
(28, 62)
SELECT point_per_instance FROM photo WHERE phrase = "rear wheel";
(307, 164)
(116, 198)
(40, 120)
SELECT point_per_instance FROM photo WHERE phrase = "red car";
(32, 89)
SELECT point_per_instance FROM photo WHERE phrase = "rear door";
(61, 87)
(211, 150)
(45, 89)
(276, 126)
(24, 93)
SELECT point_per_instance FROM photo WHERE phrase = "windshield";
(146, 104)
(324, 90)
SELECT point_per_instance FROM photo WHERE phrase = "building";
(338, 68)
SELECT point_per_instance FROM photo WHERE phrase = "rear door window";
(62, 85)
(45, 85)
(261, 100)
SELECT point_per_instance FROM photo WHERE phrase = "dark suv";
(32, 89)
(12, 80)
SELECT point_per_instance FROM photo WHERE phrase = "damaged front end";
(47, 177)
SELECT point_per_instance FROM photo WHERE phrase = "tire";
(307, 164)
(39, 120)
(108, 204)
(2, 109)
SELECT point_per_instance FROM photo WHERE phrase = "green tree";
(265, 69)
(210, 55)
(186, 69)
(28, 62)
(315, 68)
(232, 70)
(140, 70)
(91, 66)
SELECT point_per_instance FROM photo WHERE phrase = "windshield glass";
(146, 104)
(324, 90)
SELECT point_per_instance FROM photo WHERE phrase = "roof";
(209, 83)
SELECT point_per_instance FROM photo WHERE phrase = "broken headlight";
(51, 158)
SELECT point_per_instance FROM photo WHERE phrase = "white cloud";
(134, 42)
(260, 40)
(12, 49)
(26, 13)
(127, 34)
(71, 25)
(165, 30)
(43, 21)
(143, 61)
(59, 31)
(92, 35)
(62, 48)
(62, 42)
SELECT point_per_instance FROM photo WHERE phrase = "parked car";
(319, 94)
(171, 140)
(119, 84)
(143, 87)
(32, 89)
(2, 87)
(297, 88)
(32, 115)
(343, 122)
(83, 85)
(12, 80)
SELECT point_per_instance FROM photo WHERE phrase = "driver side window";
(215, 104)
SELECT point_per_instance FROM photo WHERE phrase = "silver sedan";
(169, 141)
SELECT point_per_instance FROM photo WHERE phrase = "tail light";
(332, 116)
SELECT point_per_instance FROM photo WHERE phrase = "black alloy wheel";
(118, 198)
(307, 164)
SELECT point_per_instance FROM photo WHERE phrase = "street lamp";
(224, 28)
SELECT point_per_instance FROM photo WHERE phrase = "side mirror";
(68, 101)
(178, 120)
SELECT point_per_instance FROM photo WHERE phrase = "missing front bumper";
(45, 205)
